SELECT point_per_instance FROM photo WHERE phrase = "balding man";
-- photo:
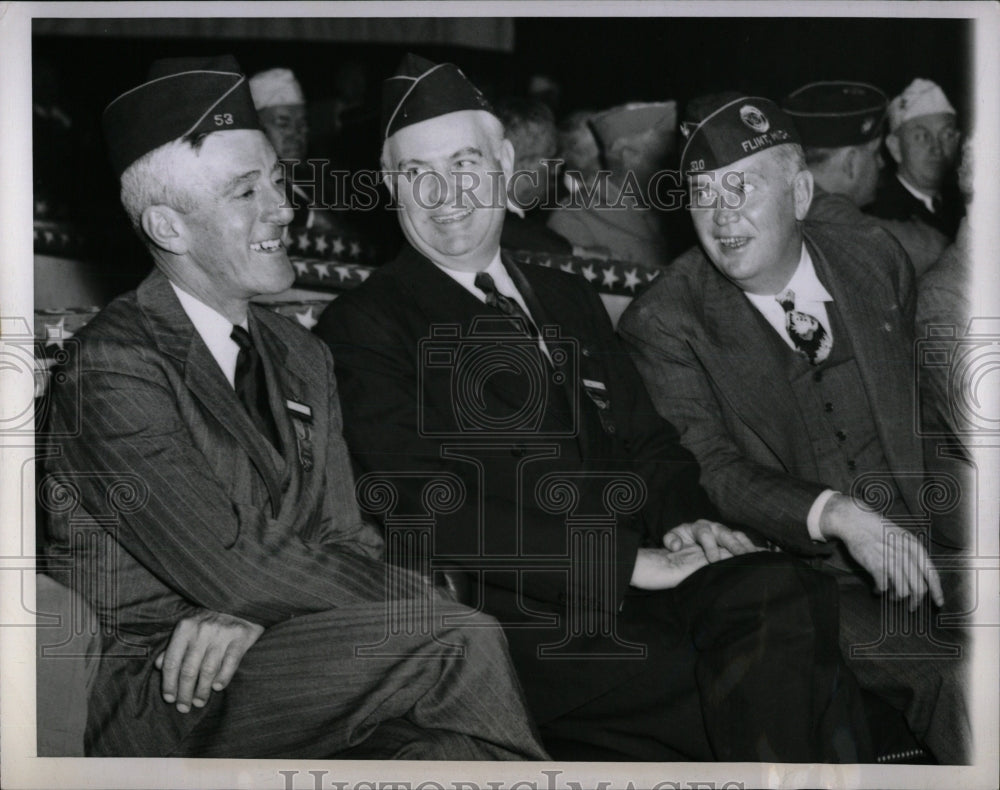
(783, 352)
(210, 431)
(923, 141)
(841, 125)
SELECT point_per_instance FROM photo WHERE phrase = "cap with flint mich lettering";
(837, 114)
(421, 90)
(182, 97)
(723, 128)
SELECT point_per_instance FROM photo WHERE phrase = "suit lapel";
(871, 317)
(176, 336)
(738, 351)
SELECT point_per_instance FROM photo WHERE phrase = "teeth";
(733, 242)
(271, 245)
(453, 217)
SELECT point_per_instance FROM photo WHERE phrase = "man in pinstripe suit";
(212, 520)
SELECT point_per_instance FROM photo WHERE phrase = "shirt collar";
(467, 280)
(214, 329)
(803, 282)
(927, 200)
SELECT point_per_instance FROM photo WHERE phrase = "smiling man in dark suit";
(214, 427)
(801, 435)
(508, 434)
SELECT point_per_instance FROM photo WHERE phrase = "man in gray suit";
(209, 513)
(782, 351)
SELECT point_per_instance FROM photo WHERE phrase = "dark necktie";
(505, 304)
(807, 333)
(251, 385)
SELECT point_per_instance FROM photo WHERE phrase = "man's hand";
(659, 569)
(893, 556)
(711, 536)
(204, 652)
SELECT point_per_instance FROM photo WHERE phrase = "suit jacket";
(402, 424)
(178, 501)
(922, 242)
(714, 372)
(894, 201)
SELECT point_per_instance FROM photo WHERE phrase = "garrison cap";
(421, 90)
(274, 88)
(837, 114)
(632, 119)
(723, 128)
(921, 97)
(182, 97)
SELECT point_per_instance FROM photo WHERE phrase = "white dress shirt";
(215, 329)
(810, 297)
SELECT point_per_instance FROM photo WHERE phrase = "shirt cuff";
(812, 520)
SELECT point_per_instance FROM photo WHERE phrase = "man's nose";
(277, 208)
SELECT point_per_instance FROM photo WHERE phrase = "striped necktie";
(251, 385)
(505, 304)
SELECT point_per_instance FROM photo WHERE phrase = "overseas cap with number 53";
(182, 97)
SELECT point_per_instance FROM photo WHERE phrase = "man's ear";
(164, 227)
(802, 193)
(892, 143)
(850, 163)
(507, 158)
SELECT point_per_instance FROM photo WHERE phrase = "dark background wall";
(598, 63)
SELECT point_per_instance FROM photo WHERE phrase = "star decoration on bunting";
(610, 278)
(650, 276)
(321, 245)
(355, 249)
(306, 318)
(588, 272)
(363, 274)
(55, 334)
(301, 268)
(338, 246)
(632, 279)
(343, 271)
(304, 241)
(567, 267)
(322, 270)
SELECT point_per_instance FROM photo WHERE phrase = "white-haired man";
(239, 542)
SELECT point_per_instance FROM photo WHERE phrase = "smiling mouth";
(733, 242)
(448, 219)
(271, 245)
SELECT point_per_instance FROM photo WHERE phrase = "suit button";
(517, 452)
(611, 427)
(818, 375)
(852, 465)
(841, 436)
(585, 352)
(828, 407)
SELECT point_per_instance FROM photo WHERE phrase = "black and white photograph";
(519, 396)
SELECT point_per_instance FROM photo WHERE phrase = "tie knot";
(786, 299)
(485, 283)
(241, 337)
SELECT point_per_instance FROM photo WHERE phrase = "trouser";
(320, 685)
(908, 660)
(742, 665)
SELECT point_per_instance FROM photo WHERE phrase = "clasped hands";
(686, 548)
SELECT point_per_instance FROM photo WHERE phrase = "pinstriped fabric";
(181, 503)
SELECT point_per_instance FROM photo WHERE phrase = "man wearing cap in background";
(637, 683)
(841, 126)
(214, 426)
(923, 140)
(618, 215)
(782, 351)
(281, 110)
